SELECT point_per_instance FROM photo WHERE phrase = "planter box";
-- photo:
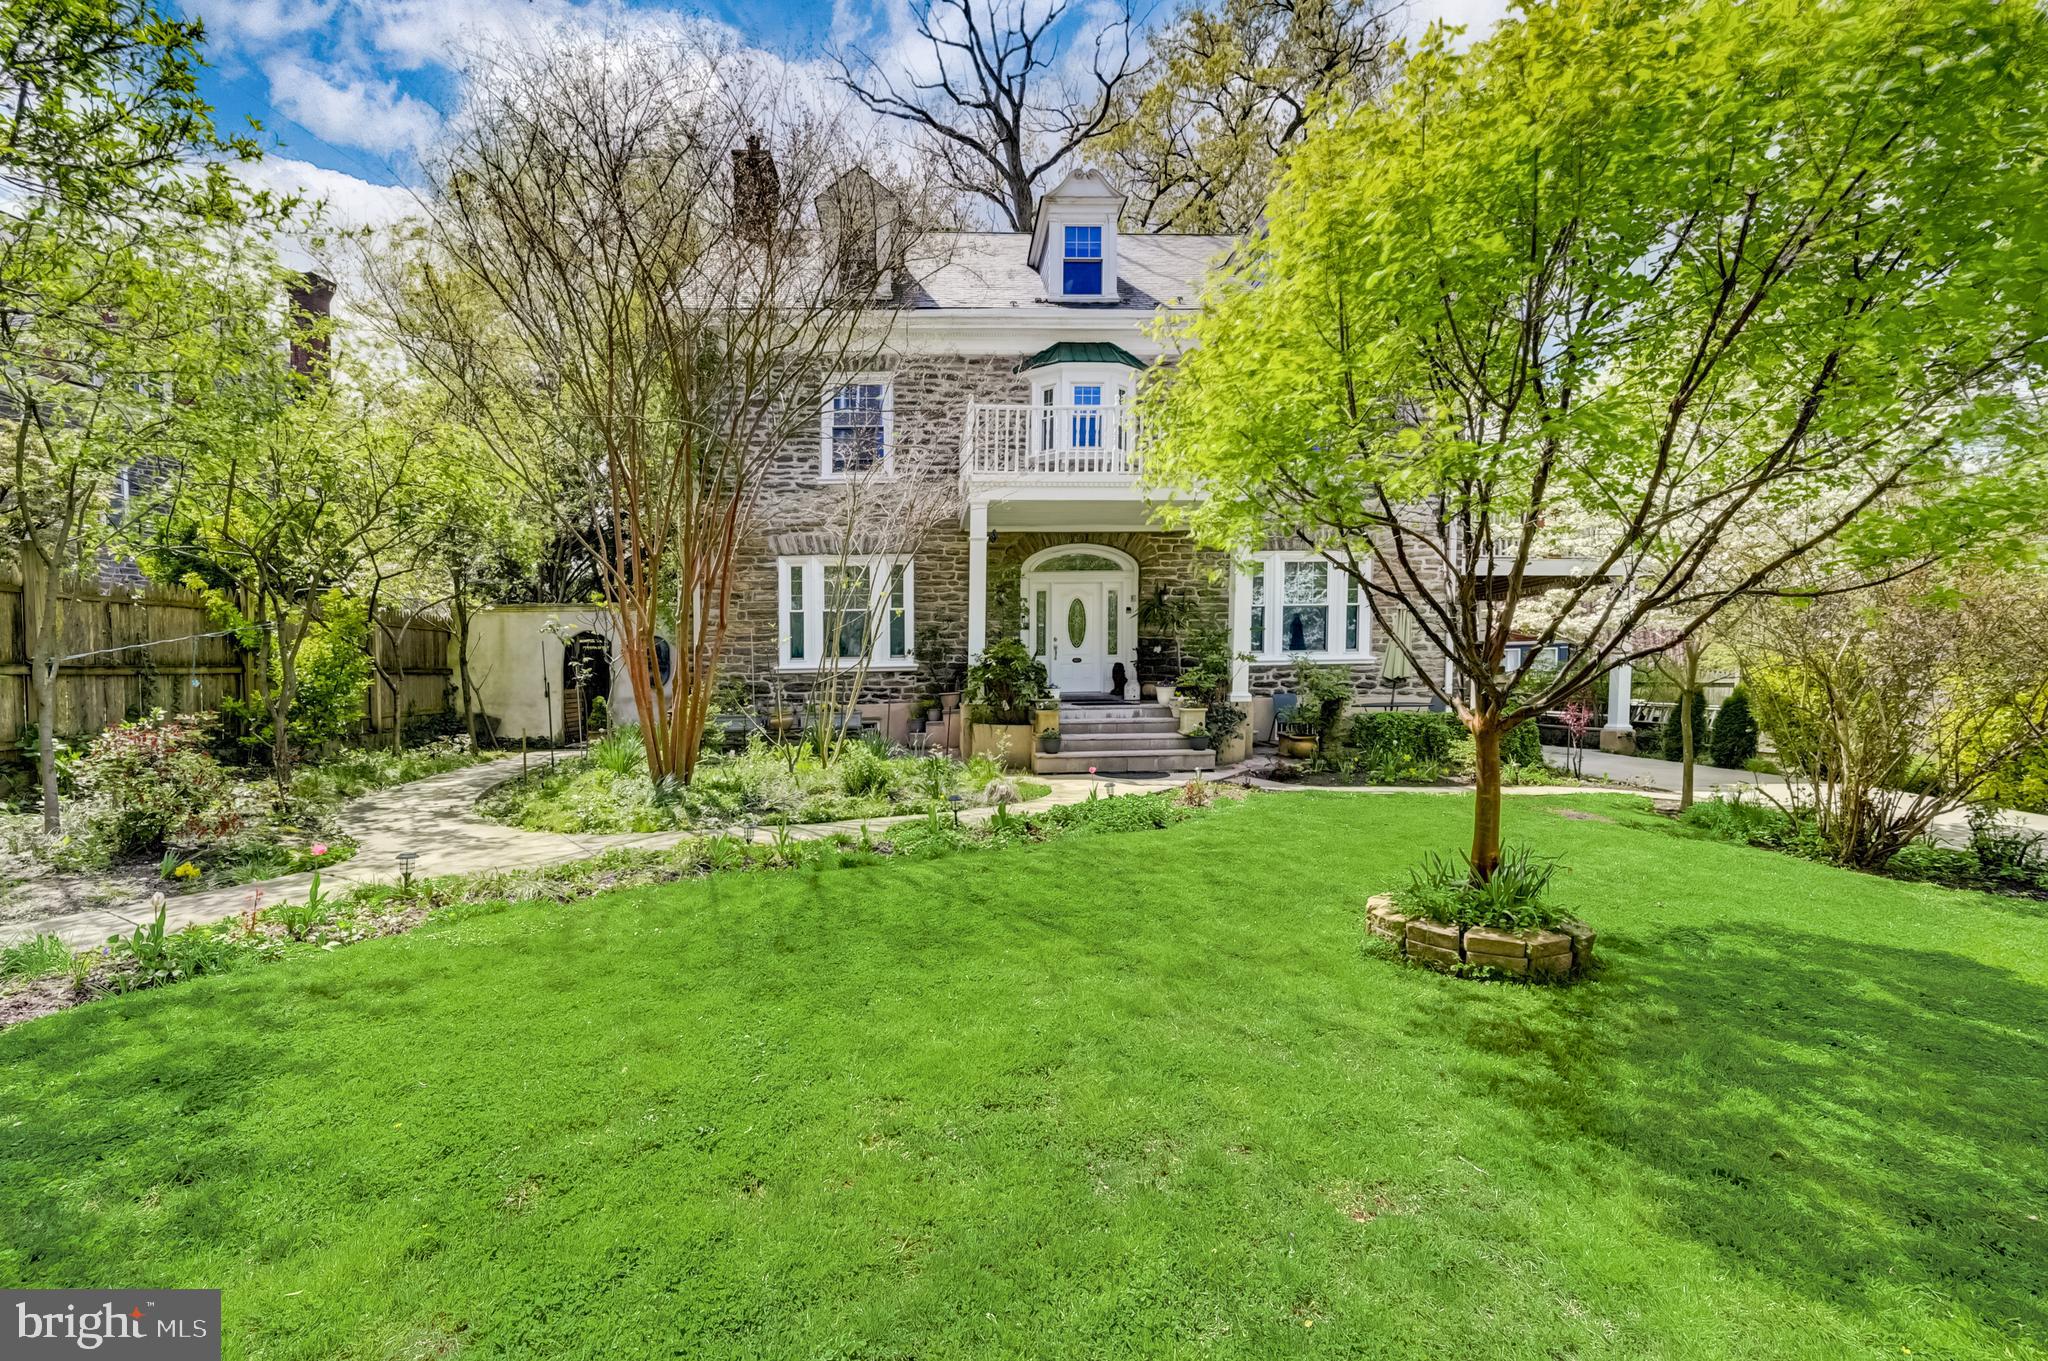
(1238, 747)
(1189, 716)
(1564, 953)
(1044, 720)
(1011, 743)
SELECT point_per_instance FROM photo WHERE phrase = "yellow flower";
(188, 870)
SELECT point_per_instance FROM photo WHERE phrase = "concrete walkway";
(437, 818)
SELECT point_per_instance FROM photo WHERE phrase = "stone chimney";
(312, 302)
(756, 187)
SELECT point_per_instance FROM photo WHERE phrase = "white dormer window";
(1073, 240)
(857, 421)
(1081, 265)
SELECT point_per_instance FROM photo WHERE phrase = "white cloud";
(262, 22)
(351, 201)
(352, 111)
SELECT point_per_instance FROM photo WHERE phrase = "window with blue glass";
(860, 433)
(1081, 272)
(1087, 421)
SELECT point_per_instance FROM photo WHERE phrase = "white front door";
(1077, 655)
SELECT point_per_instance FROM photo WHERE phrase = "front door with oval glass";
(1077, 655)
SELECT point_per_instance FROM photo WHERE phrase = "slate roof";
(985, 270)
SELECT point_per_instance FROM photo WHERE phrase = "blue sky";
(349, 90)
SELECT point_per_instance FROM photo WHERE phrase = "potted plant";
(1049, 741)
(1003, 689)
(1045, 715)
(1298, 738)
(1199, 739)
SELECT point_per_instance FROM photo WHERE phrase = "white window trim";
(1340, 589)
(1053, 275)
(880, 569)
(887, 382)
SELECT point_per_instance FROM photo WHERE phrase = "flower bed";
(608, 790)
(1563, 953)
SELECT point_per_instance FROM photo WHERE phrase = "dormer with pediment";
(1073, 241)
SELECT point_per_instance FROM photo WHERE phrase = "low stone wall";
(1566, 952)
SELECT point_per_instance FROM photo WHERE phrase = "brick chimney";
(312, 302)
(755, 189)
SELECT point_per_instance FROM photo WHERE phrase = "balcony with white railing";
(1049, 446)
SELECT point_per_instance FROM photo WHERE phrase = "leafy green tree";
(108, 161)
(292, 483)
(1752, 292)
(1234, 84)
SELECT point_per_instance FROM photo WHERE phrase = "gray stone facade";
(930, 398)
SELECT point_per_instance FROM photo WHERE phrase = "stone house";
(1006, 386)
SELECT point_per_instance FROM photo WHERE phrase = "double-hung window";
(857, 421)
(1087, 418)
(1302, 606)
(1081, 262)
(836, 612)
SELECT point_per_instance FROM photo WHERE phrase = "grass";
(607, 789)
(1107, 1096)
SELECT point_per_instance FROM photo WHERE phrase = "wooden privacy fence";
(157, 648)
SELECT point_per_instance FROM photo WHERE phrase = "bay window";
(1301, 606)
(836, 612)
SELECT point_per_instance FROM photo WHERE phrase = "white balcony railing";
(1073, 444)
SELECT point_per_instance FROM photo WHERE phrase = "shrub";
(1004, 684)
(1381, 739)
(863, 773)
(1522, 745)
(620, 751)
(1512, 899)
(1674, 733)
(1732, 741)
(1733, 820)
(2002, 849)
(150, 782)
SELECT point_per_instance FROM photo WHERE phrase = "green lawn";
(1118, 1095)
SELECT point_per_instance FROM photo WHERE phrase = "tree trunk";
(461, 604)
(46, 742)
(1486, 735)
(42, 588)
(281, 696)
(1685, 751)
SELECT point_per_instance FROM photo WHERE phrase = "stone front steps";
(1121, 739)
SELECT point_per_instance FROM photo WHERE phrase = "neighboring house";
(1011, 372)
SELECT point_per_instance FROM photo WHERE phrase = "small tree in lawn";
(1716, 301)
(1678, 662)
(623, 288)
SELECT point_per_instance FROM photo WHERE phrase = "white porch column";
(977, 579)
(1619, 735)
(1240, 632)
